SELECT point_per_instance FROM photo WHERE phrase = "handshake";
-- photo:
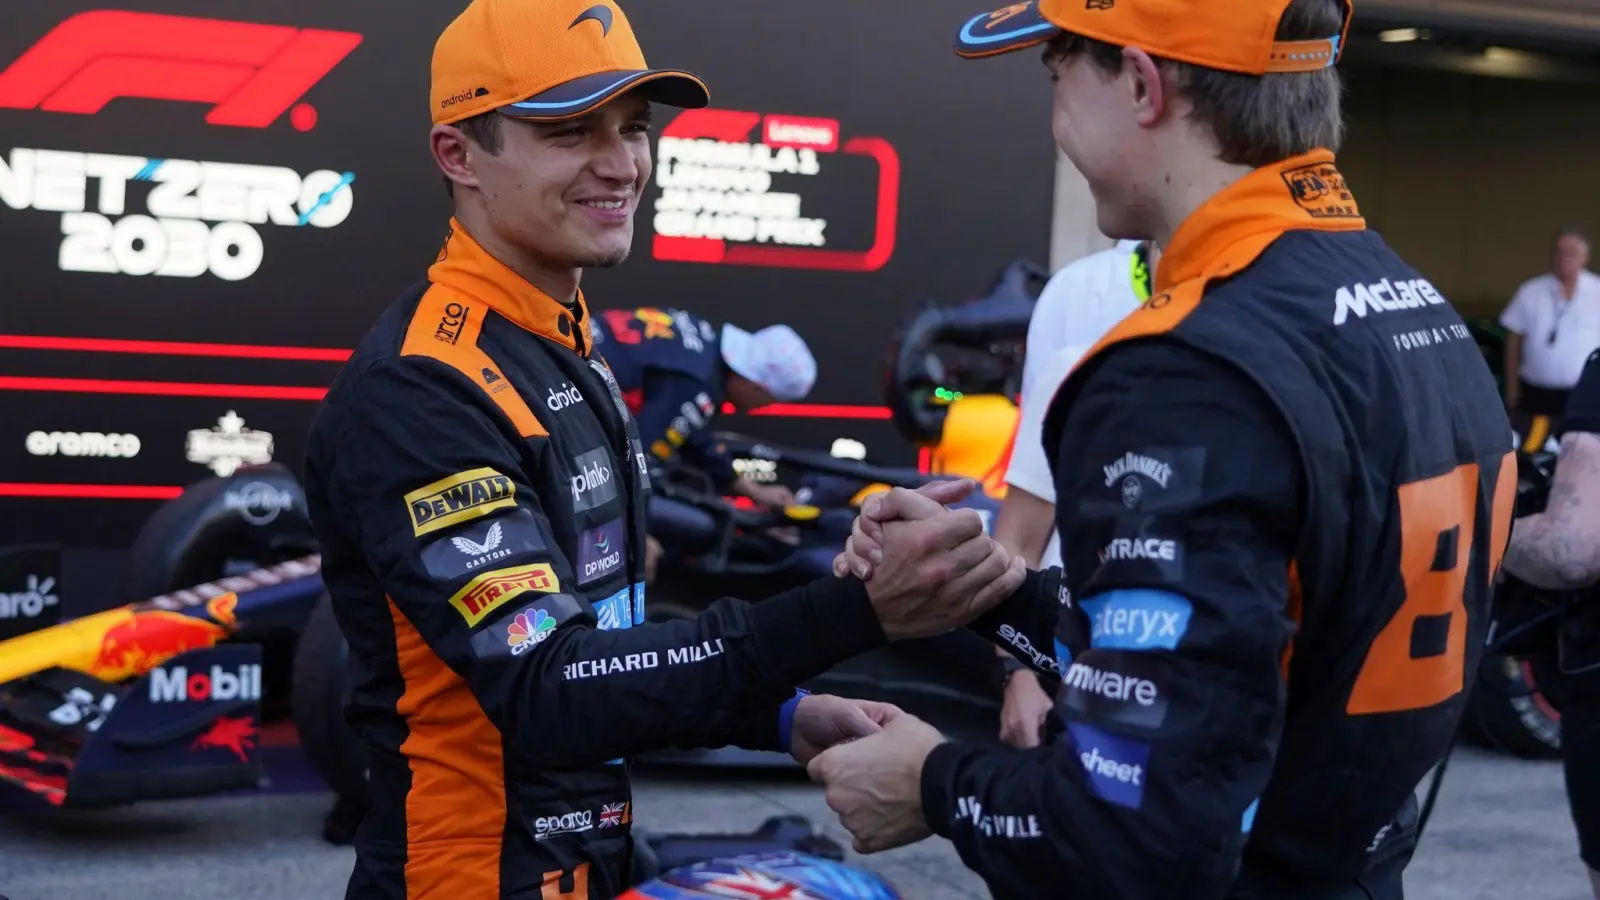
(928, 570)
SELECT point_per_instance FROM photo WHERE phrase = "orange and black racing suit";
(479, 492)
(1285, 486)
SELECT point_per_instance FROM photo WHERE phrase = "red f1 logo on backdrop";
(716, 205)
(251, 73)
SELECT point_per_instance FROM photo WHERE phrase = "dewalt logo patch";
(462, 497)
(491, 590)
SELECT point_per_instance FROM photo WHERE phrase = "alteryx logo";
(1137, 620)
(250, 73)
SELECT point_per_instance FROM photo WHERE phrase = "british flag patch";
(614, 814)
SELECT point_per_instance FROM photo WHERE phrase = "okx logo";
(250, 73)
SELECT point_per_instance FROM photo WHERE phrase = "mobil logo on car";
(175, 684)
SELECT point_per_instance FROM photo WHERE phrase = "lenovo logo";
(251, 73)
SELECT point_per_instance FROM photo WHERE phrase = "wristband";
(786, 718)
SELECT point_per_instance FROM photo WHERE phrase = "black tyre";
(216, 527)
(321, 689)
(1507, 711)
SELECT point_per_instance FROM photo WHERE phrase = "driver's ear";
(451, 153)
(1147, 91)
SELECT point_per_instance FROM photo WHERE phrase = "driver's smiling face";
(568, 190)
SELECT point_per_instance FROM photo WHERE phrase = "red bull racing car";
(165, 697)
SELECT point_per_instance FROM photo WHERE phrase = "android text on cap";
(547, 60)
(1230, 35)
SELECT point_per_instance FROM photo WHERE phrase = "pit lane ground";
(1501, 832)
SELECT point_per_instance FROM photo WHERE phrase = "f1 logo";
(251, 73)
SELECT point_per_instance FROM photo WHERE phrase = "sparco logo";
(1138, 464)
(448, 330)
(258, 502)
(559, 399)
(170, 684)
(37, 593)
(1385, 296)
(1020, 641)
(82, 443)
(545, 826)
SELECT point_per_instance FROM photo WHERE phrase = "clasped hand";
(928, 570)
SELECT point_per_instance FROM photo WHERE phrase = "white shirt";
(1538, 311)
(1079, 305)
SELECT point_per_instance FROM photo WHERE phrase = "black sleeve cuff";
(810, 629)
(761, 732)
(939, 773)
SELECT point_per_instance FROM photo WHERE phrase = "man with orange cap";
(479, 488)
(1283, 487)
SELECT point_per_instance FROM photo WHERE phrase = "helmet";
(973, 347)
(793, 876)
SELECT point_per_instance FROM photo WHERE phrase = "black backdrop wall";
(306, 203)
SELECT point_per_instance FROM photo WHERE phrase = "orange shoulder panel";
(445, 327)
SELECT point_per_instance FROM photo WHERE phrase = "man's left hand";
(875, 784)
(822, 721)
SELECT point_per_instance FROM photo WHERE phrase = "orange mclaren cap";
(546, 60)
(1231, 35)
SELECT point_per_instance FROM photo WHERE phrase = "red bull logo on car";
(149, 638)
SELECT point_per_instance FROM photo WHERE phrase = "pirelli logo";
(460, 498)
(489, 591)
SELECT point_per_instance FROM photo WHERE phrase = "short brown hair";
(1257, 119)
(482, 129)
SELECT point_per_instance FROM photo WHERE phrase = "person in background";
(1078, 305)
(675, 370)
(1552, 325)
(1559, 549)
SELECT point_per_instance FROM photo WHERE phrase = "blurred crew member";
(1559, 549)
(676, 369)
(479, 489)
(1552, 325)
(1284, 484)
(1078, 306)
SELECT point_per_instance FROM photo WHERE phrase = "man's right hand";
(1023, 712)
(938, 570)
